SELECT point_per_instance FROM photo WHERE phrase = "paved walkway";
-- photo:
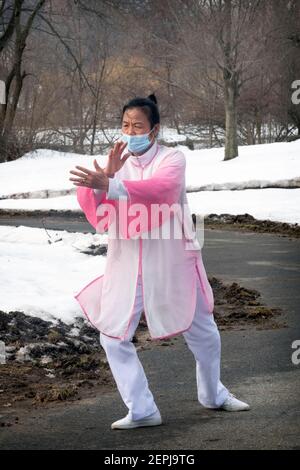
(256, 366)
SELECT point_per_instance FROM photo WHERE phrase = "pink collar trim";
(146, 158)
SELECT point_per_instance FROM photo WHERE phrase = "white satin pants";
(202, 338)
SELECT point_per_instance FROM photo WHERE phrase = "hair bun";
(152, 97)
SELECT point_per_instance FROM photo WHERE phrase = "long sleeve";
(90, 202)
(158, 196)
(164, 186)
(99, 205)
(153, 195)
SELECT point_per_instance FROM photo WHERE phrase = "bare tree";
(16, 29)
(213, 40)
(223, 66)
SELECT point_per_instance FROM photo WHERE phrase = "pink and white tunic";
(169, 265)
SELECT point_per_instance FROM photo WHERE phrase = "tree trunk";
(230, 86)
(231, 147)
(11, 110)
(258, 126)
(14, 80)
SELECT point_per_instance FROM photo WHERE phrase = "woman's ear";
(156, 130)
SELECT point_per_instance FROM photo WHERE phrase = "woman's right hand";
(115, 162)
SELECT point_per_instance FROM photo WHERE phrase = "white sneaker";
(233, 404)
(129, 423)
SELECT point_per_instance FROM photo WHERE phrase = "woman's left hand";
(90, 179)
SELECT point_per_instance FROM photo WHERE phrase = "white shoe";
(233, 404)
(129, 423)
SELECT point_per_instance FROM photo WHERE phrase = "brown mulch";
(247, 223)
(47, 365)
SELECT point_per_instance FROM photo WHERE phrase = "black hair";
(149, 107)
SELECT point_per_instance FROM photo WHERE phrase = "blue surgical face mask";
(137, 143)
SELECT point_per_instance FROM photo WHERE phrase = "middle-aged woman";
(148, 268)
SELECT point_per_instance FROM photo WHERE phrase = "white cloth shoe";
(129, 423)
(233, 404)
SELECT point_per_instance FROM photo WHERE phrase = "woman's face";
(136, 122)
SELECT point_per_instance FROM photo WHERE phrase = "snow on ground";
(41, 278)
(168, 135)
(257, 166)
(40, 170)
(57, 203)
(255, 163)
(281, 205)
(49, 170)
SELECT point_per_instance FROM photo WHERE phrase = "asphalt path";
(256, 365)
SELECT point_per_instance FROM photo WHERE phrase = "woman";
(138, 195)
